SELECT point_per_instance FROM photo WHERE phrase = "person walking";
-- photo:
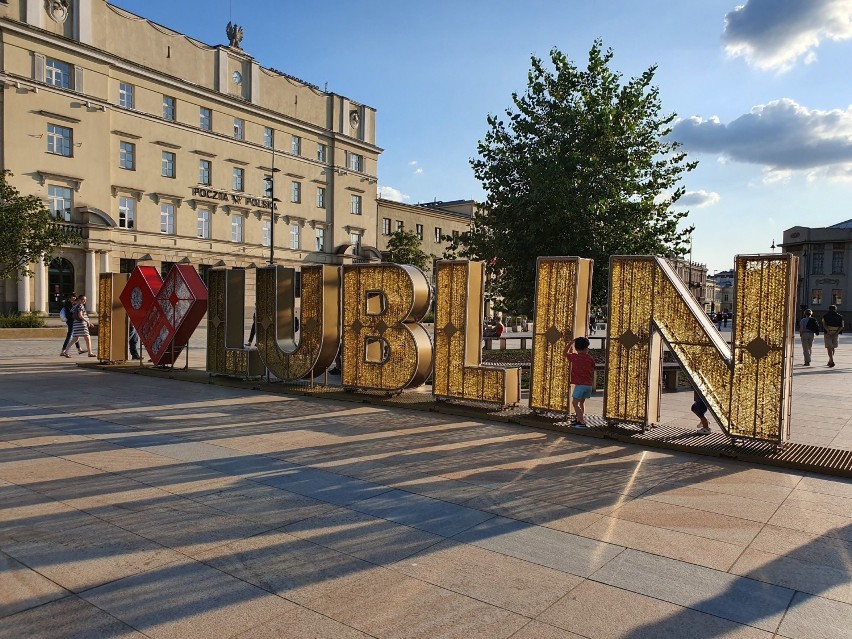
(81, 327)
(808, 328)
(66, 314)
(832, 322)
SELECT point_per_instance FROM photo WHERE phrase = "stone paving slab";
(132, 506)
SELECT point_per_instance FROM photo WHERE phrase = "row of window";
(818, 262)
(60, 74)
(60, 142)
(836, 296)
(127, 220)
(418, 230)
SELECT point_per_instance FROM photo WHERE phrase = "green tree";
(28, 232)
(404, 247)
(582, 165)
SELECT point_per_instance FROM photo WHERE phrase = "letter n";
(746, 386)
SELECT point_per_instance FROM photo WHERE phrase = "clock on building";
(237, 77)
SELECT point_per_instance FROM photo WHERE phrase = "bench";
(525, 342)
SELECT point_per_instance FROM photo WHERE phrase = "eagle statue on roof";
(235, 35)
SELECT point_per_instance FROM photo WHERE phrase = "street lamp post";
(272, 202)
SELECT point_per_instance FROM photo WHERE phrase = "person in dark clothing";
(700, 409)
(133, 343)
(67, 316)
(832, 322)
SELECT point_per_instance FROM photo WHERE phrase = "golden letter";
(287, 357)
(384, 345)
(112, 318)
(748, 388)
(459, 373)
(226, 351)
(562, 300)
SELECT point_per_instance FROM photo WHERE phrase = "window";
(837, 262)
(265, 232)
(355, 162)
(268, 137)
(239, 179)
(320, 238)
(355, 240)
(816, 297)
(296, 192)
(204, 224)
(167, 219)
(205, 119)
(267, 186)
(169, 108)
(296, 145)
(836, 296)
(168, 164)
(355, 205)
(59, 140)
(126, 212)
(237, 221)
(400, 225)
(419, 231)
(385, 226)
(439, 234)
(322, 149)
(320, 197)
(165, 267)
(57, 73)
(239, 128)
(127, 155)
(125, 95)
(295, 236)
(205, 172)
(817, 263)
(126, 265)
(59, 198)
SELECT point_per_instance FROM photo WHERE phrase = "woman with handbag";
(81, 327)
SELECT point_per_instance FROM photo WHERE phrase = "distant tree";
(404, 247)
(581, 166)
(28, 232)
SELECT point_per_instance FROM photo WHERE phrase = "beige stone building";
(431, 221)
(149, 144)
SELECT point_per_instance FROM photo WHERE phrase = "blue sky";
(761, 89)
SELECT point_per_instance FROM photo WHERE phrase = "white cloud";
(390, 193)
(774, 34)
(418, 171)
(698, 199)
(781, 136)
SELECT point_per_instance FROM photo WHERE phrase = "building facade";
(150, 145)
(824, 254)
(431, 222)
(694, 275)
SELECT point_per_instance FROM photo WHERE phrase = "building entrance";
(60, 283)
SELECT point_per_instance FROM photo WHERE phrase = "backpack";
(813, 325)
(63, 314)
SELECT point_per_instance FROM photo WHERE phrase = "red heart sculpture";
(165, 313)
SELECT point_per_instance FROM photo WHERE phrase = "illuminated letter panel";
(112, 318)
(286, 357)
(384, 345)
(459, 373)
(747, 388)
(562, 302)
(226, 351)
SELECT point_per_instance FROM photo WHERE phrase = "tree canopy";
(404, 247)
(581, 165)
(28, 232)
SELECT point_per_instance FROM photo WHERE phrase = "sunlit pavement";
(139, 507)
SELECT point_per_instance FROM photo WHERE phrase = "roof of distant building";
(842, 225)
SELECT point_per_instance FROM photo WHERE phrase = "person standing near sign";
(808, 328)
(81, 326)
(832, 322)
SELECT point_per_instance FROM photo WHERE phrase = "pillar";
(91, 282)
(104, 265)
(24, 300)
(41, 291)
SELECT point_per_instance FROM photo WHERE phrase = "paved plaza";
(132, 506)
